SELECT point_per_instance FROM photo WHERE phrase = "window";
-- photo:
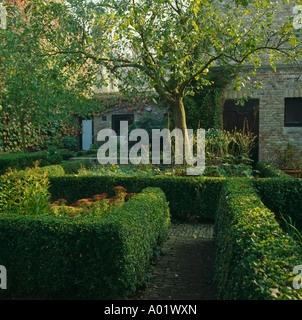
(104, 118)
(293, 112)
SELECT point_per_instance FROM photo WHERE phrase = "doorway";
(243, 118)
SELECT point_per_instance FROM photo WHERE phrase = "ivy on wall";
(37, 138)
(203, 110)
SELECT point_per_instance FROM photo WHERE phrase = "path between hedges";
(185, 271)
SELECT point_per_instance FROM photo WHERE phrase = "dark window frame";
(287, 106)
(121, 117)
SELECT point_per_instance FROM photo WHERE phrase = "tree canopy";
(166, 45)
(36, 86)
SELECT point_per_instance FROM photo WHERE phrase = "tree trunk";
(179, 114)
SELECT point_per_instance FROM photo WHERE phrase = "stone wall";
(286, 82)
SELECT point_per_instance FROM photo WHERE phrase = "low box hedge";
(83, 258)
(254, 257)
(267, 170)
(283, 197)
(73, 166)
(187, 196)
(20, 161)
(54, 170)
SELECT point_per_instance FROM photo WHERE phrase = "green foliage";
(24, 192)
(224, 146)
(39, 86)
(20, 161)
(70, 143)
(89, 258)
(203, 109)
(175, 43)
(254, 257)
(267, 170)
(53, 155)
(71, 167)
(187, 196)
(66, 154)
(53, 170)
(287, 157)
(228, 154)
(283, 196)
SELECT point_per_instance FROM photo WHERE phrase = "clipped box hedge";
(254, 257)
(83, 258)
(73, 166)
(194, 196)
(20, 161)
(283, 197)
(267, 170)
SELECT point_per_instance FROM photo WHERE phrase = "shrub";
(53, 155)
(53, 170)
(70, 143)
(24, 192)
(21, 161)
(282, 196)
(87, 258)
(254, 257)
(187, 196)
(267, 170)
(66, 154)
(71, 167)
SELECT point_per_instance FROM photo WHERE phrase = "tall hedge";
(83, 258)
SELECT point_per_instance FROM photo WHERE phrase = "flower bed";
(59, 257)
(96, 206)
(187, 196)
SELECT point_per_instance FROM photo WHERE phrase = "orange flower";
(119, 188)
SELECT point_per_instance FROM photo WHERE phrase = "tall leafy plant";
(24, 192)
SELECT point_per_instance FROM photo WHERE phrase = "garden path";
(186, 269)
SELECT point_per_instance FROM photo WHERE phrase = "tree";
(38, 87)
(167, 44)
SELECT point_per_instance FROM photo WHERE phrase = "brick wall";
(284, 83)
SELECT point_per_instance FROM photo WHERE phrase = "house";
(273, 112)
(116, 108)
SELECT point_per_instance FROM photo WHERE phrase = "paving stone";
(185, 271)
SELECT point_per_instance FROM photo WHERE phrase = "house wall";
(138, 112)
(284, 83)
